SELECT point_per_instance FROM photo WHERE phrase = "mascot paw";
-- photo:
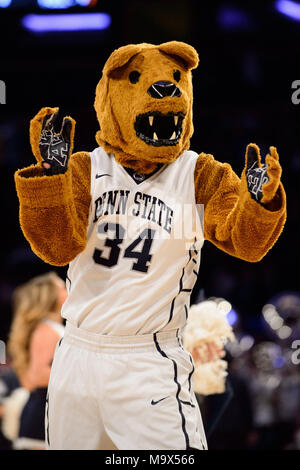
(262, 180)
(52, 149)
(36, 125)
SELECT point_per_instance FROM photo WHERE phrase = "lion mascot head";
(144, 104)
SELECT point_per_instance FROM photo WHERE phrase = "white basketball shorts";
(127, 393)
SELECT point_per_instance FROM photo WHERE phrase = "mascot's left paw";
(263, 180)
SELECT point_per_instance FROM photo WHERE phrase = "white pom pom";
(224, 306)
(209, 378)
(12, 409)
(207, 323)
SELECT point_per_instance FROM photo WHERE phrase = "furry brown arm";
(54, 210)
(233, 221)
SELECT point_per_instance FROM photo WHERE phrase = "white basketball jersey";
(142, 257)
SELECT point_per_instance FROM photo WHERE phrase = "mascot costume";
(121, 377)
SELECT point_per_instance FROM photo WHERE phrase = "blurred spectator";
(212, 409)
(204, 336)
(234, 425)
(36, 328)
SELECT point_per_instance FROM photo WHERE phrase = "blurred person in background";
(235, 421)
(205, 335)
(288, 399)
(271, 382)
(212, 405)
(227, 409)
(35, 330)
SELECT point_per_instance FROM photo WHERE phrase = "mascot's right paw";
(51, 148)
(36, 125)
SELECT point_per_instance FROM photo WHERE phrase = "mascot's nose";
(161, 89)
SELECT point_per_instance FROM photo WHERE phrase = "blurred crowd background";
(243, 92)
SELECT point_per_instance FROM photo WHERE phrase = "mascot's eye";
(176, 75)
(134, 76)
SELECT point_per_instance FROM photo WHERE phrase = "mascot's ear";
(120, 57)
(183, 51)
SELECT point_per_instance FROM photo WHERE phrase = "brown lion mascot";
(121, 378)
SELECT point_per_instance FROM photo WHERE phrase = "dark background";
(249, 57)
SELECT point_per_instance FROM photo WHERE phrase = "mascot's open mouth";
(159, 129)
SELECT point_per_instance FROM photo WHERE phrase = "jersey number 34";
(143, 256)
